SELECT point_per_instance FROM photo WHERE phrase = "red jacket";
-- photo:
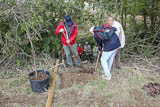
(80, 50)
(73, 34)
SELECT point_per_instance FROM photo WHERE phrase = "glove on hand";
(68, 41)
(61, 30)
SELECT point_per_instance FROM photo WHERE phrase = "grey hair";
(91, 29)
(110, 17)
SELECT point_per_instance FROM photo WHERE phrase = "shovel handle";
(97, 62)
(71, 49)
(69, 43)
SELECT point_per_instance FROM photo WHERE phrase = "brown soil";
(3, 99)
(40, 76)
(6, 101)
(70, 78)
(75, 97)
(87, 70)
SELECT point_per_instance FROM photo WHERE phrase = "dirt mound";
(39, 76)
(70, 78)
(152, 89)
(87, 70)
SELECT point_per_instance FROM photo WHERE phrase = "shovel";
(75, 57)
(97, 61)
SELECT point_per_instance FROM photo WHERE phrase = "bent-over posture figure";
(109, 47)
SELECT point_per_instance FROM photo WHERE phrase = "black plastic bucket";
(39, 85)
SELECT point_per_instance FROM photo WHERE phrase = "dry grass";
(124, 90)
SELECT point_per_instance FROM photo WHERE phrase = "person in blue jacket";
(108, 49)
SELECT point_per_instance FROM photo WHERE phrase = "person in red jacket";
(71, 30)
(80, 50)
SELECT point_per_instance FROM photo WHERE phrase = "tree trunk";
(32, 47)
(116, 8)
(144, 18)
(152, 15)
(122, 12)
(125, 14)
(134, 9)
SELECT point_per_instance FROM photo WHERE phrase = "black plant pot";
(39, 85)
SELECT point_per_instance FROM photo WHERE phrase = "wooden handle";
(51, 90)
(97, 62)
(71, 49)
(69, 43)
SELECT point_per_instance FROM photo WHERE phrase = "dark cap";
(68, 20)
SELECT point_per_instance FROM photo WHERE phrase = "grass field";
(124, 90)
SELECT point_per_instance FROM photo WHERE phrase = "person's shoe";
(106, 77)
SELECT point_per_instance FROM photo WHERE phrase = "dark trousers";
(88, 56)
(80, 55)
(116, 62)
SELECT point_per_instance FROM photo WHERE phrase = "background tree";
(27, 28)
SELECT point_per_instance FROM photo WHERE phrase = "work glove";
(61, 30)
(68, 41)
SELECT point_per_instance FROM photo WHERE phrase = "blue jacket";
(108, 45)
